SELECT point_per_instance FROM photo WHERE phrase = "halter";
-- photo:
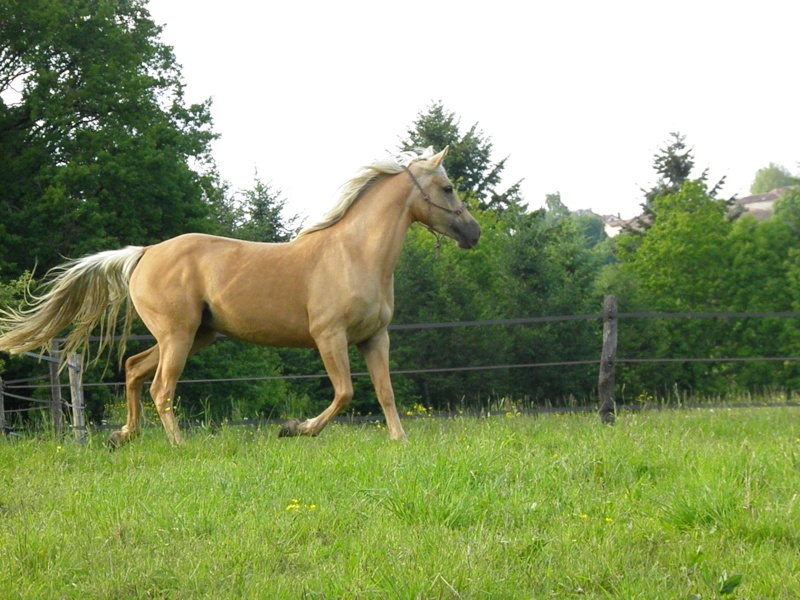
(431, 204)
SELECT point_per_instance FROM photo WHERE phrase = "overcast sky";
(578, 95)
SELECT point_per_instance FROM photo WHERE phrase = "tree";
(761, 280)
(469, 161)
(11, 294)
(772, 177)
(682, 263)
(527, 264)
(98, 146)
(261, 215)
(674, 165)
(787, 210)
(556, 209)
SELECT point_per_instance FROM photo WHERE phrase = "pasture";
(672, 504)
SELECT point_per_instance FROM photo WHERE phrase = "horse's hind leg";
(138, 369)
(175, 349)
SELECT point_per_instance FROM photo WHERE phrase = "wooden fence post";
(605, 385)
(75, 367)
(55, 390)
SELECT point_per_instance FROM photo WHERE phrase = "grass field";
(672, 504)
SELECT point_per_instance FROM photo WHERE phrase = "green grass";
(676, 504)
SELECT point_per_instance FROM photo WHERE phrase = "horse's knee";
(137, 369)
(130, 366)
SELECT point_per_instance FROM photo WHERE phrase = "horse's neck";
(377, 225)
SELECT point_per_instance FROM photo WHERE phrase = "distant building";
(612, 224)
(615, 224)
(761, 206)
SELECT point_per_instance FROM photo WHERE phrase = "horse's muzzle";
(468, 235)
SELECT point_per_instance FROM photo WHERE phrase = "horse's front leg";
(333, 350)
(376, 354)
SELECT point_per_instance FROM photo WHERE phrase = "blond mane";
(364, 179)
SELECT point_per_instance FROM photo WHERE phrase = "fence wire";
(16, 384)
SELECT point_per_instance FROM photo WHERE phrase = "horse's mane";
(364, 179)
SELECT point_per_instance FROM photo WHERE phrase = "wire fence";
(496, 323)
(55, 385)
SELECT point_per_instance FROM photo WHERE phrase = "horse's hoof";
(290, 429)
(116, 440)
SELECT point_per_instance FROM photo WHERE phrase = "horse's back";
(247, 290)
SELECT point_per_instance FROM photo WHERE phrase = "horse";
(330, 287)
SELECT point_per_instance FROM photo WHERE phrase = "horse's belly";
(279, 330)
(273, 338)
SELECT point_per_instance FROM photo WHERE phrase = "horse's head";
(435, 204)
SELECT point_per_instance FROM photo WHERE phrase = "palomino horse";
(330, 287)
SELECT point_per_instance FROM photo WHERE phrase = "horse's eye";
(448, 189)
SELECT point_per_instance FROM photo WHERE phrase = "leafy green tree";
(469, 161)
(555, 208)
(10, 296)
(787, 211)
(594, 232)
(443, 286)
(680, 264)
(760, 282)
(98, 146)
(256, 214)
(551, 272)
(526, 265)
(694, 258)
(793, 329)
(772, 177)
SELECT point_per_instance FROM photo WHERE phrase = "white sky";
(579, 95)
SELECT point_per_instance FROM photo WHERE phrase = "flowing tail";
(85, 293)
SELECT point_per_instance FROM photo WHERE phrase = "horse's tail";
(85, 293)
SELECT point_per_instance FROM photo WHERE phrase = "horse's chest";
(365, 314)
(359, 310)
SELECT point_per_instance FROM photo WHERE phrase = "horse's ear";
(437, 160)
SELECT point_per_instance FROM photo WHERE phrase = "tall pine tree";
(674, 165)
(469, 161)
